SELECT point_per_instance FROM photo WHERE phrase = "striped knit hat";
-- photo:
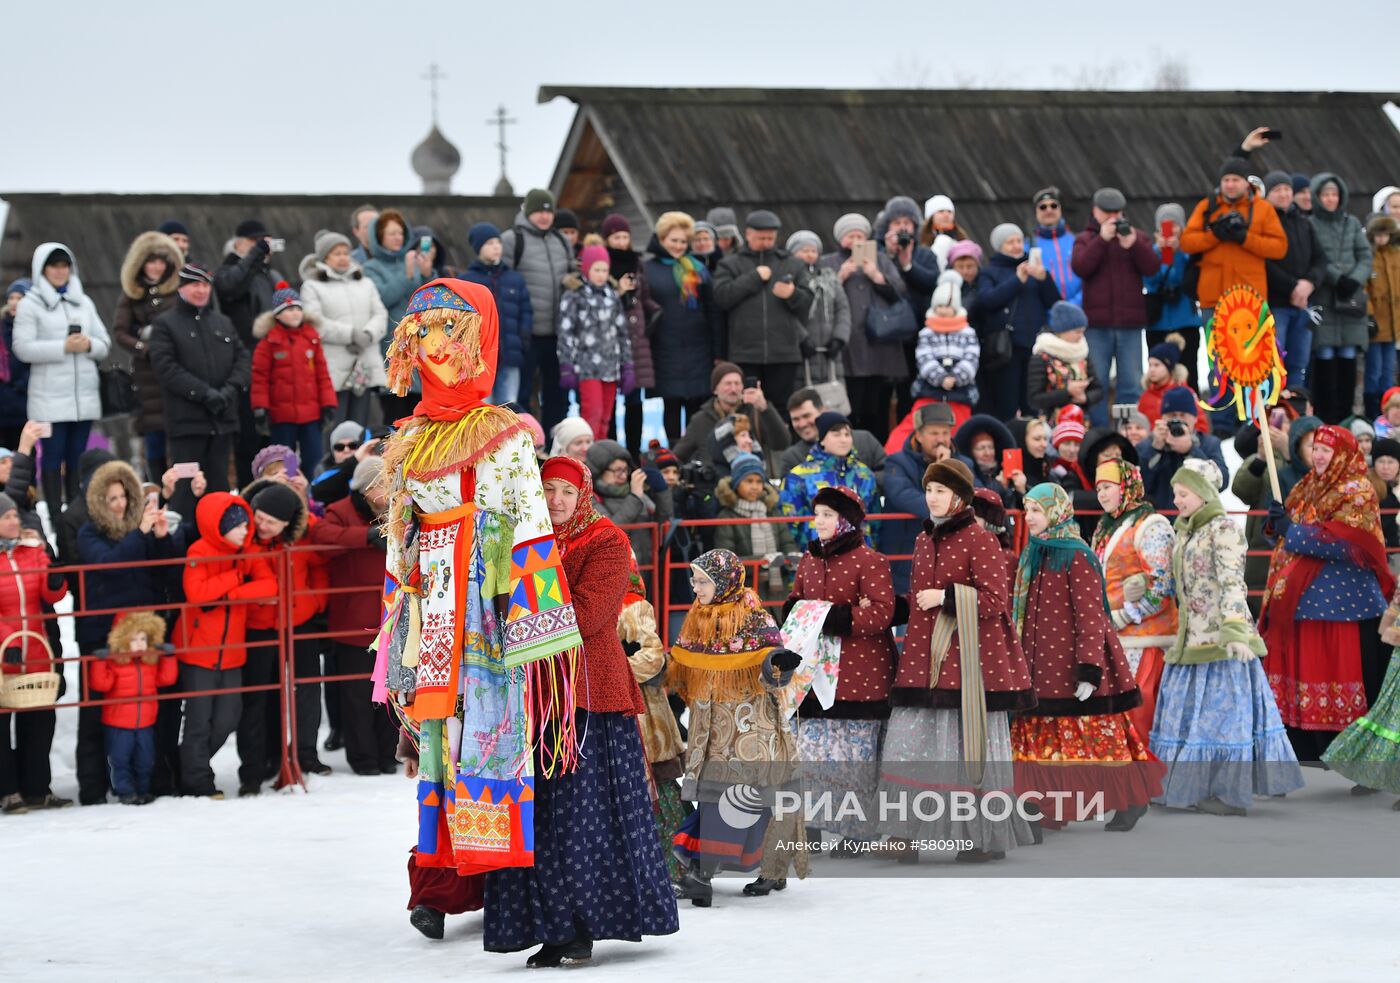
(1067, 430)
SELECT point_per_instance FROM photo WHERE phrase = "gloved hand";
(629, 380)
(1346, 286)
(1134, 587)
(261, 421)
(806, 348)
(327, 415)
(1238, 652)
(1230, 228)
(656, 481)
(838, 620)
(260, 248)
(374, 536)
(568, 376)
(785, 660)
(834, 348)
(1083, 691)
(1278, 518)
(215, 402)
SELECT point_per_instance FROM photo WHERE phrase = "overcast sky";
(257, 96)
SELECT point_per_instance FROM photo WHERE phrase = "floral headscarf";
(726, 571)
(1054, 548)
(567, 469)
(722, 645)
(1131, 508)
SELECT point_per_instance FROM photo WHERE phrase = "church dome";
(435, 160)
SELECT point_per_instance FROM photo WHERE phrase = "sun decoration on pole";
(1245, 367)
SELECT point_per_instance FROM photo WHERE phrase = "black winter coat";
(763, 329)
(1002, 300)
(14, 395)
(1305, 259)
(245, 287)
(684, 342)
(194, 351)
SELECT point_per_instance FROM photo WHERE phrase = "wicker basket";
(30, 689)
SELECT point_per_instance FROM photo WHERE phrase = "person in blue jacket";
(1173, 440)
(1013, 294)
(1166, 293)
(1056, 244)
(512, 304)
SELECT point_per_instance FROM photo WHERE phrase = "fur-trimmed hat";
(843, 501)
(953, 474)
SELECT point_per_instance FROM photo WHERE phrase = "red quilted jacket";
(290, 378)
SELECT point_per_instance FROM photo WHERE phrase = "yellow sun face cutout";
(1241, 343)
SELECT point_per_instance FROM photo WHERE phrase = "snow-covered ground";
(311, 886)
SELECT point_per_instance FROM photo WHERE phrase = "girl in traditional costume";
(1368, 751)
(1217, 728)
(480, 648)
(727, 664)
(1134, 547)
(1327, 589)
(1079, 738)
(960, 675)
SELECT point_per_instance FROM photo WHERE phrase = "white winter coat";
(352, 316)
(63, 386)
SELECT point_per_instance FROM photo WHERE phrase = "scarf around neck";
(1131, 508)
(689, 274)
(722, 645)
(1049, 343)
(585, 515)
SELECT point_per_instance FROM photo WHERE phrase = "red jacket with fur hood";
(290, 377)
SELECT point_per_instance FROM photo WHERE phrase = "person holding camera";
(1342, 330)
(1173, 441)
(734, 392)
(1111, 257)
(1234, 232)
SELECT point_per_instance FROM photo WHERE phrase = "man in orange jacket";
(1233, 232)
(221, 579)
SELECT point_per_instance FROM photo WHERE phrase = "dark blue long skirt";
(598, 867)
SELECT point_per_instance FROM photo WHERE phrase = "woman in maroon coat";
(1078, 739)
(948, 731)
(841, 743)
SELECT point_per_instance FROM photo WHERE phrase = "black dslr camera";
(1123, 226)
(1177, 429)
(903, 238)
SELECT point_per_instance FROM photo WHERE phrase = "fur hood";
(313, 269)
(262, 324)
(107, 524)
(127, 625)
(144, 247)
(295, 530)
(575, 281)
(728, 497)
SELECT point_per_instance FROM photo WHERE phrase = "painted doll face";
(434, 353)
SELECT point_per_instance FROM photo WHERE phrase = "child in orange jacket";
(292, 395)
(134, 664)
(222, 579)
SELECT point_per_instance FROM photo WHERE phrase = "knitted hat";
(326, 240)
(938, 203)
(724, 220)
(566, 431)
(284, 297)
(1360, 428)
(173, 227)
(270, 454)
(1171, 212)
(1179, 399)
(830, 420)
(1392, 395)
(1200, 476)
(740, 468)
(987, 506)
(1385, 447)
(848, 223)
(953, 474)
(663, 457)
(614, 223)
(705, 227)
(538, 200)
(1301, 182)
(1110, 200)
(347, 432)
(948, 293)
(1274, 178)
(1140, 418)
(194, 273)
(279, 501)
(234, 516)
(20, 286)
(1003, 232)
(366, 473)
(1051, 193)
(7, 504)
(720, 371)
(565, 218)
(843, 501)
(801, 238)
(604, 454)
(762, 220)
(483, 232)
(591, 255)
(931, 414)
(1167, 352)
(251, 228)
(964, 247)
(1065, 316)
(1237, 166)
(1067, 430)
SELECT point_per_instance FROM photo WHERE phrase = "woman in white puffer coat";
(353, 320)
(59, 333)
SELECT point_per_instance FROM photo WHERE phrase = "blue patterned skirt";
(1219, 733)
(598, 867)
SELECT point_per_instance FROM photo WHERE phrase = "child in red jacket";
(133, 665)
(292, 396)
(221, 581)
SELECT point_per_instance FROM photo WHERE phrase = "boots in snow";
(695, 886)
(13, 805)
(764, 886)
(576, 953)
(427, 920)
(334, 742)
(1125, 819)
(48, 801)
(1215, 807)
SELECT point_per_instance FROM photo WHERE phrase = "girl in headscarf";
(1134, 547)
(960, 675)
(1217, 727)
(1327, 589)
(727, 663)
(598, 872)
(1079, 738)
